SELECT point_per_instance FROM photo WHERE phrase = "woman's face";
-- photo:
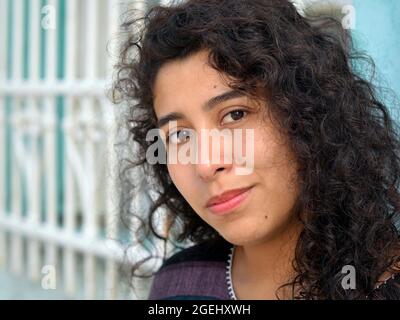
(266, 210)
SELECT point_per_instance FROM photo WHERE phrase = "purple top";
(201, 273)
(195, 273)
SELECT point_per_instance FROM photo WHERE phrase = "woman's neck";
(259, 269)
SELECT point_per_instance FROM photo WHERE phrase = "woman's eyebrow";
(207, 106)
(228, 95)
(169, 117)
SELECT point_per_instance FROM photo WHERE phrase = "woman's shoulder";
(197, 272)
(211, 251)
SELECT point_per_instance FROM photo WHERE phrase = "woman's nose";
(214, 156)
(208, 172)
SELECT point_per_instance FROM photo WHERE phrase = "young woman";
(315, 217)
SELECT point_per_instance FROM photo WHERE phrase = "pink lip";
(225, 207)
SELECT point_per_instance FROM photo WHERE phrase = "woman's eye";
(235, 115)
(178, 137)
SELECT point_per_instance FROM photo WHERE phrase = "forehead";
(190, 80)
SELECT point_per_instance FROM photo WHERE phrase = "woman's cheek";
(174, 173)
(180, 176)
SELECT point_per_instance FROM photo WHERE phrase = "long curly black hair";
(337, 125)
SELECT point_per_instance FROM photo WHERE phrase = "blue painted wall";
(377, 31)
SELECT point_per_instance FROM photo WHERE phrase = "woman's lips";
(230, 204)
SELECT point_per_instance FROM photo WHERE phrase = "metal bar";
(16, 240)
(90, 209)
(107, 249)
(70, 201)
(49, 136)
(112, 200)
(3, 141)
(33, 171)
(53, 88)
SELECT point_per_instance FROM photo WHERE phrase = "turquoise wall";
(377, 32)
